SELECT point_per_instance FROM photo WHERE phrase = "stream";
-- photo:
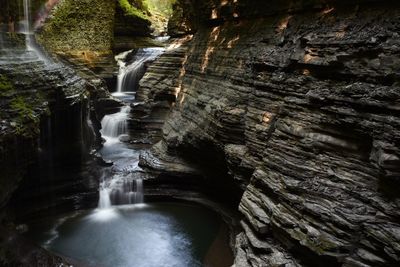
(124, 230)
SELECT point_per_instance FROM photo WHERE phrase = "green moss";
(6, 87)
(130, 10)
(27, 121)
(162, 6)
(66, 30)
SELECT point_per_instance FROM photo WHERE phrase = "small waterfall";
(104, 199)
(120, 190)
(130, 74)
(30, 40)
(116, 124)
(27, 22)
(125, 190)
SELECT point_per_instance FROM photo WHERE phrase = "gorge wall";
(46, 136)
(298, 103)
(289, 109)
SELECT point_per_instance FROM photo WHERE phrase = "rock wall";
(297, 102)
(45, 113)
(45, 125)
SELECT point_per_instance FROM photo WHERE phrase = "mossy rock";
(80, 25)
(6, 87)
(130, 10)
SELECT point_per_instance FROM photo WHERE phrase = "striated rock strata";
(298, 104)
(45, 125)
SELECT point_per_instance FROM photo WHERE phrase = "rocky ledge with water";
(45, 121)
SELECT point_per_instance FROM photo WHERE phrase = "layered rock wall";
(299, 104)
(45, 137)
(45, 119)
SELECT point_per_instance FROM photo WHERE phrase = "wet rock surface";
(301, 109)
(45, 140)
(25, 253)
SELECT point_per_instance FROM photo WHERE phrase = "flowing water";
(130, 72)
(30, 39)
(119, 234)
(119, 184)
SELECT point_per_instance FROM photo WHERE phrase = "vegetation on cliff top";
(146, 8)
(140, 11)
(154, 12)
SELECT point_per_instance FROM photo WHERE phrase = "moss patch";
(163, 7)
(130, 10)
(6, 87)
(80, 25)
(26, 123)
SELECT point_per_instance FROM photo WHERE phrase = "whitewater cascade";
(130, 73)
(116, 124)
(120, 183)
(121, 188)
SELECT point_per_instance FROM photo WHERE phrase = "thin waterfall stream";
(30, 40)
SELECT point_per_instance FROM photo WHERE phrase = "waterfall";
(130, 74)
(120, 183)
(126, 190)
(116, 124)
(30, 40)
(104, 199)
(121, 189)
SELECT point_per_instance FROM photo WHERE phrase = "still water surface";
(143, 235)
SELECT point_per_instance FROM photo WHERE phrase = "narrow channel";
(124, 230)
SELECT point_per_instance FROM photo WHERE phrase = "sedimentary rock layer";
(301, 106)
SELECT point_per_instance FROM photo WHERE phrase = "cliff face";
(45, 121)
(299, 104)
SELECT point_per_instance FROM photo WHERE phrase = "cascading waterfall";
(116, 124)
(119, 185)
(130, 74)
(126, 190)
(122, 188)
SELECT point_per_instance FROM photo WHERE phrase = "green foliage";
(131, 10)
(162, 6)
